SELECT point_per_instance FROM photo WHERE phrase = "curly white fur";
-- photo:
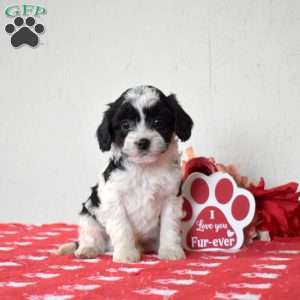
(139, 207)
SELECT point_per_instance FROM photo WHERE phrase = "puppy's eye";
(126, 125)
(156, 122)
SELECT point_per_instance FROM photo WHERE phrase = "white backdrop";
(235, 66)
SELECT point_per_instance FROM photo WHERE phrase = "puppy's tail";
(67, 248)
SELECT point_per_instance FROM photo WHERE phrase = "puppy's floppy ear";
(183, 122)
(104, 131)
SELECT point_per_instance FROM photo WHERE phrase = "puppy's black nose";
(143, 144)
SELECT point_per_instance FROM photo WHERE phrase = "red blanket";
(28, 270)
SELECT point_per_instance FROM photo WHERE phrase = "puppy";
(135, 207)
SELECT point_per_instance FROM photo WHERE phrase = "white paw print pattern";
(216, 211)
(264, 270)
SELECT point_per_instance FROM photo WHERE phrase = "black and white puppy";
(135, 206)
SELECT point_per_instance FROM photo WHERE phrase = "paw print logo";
(24, 32)
(216, 212)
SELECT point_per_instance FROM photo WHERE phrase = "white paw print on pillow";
(216, 212)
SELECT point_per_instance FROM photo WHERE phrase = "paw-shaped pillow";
(216, 211)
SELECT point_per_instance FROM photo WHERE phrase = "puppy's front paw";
(87, 252)
(173, 253)
(126, 255)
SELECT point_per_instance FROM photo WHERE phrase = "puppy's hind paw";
(87, 252)
(66, 248)
(174, 253)
(126, 255)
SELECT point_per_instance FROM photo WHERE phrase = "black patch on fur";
(92, 201)
(76, 245)
(113, 165)
(104, 132)
(94, 196)
(126, 112)
(183, 122)
(160, 117)
(84, 210)
(172, 117)
(110, 130)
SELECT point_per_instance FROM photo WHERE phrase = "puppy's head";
(142, 122)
